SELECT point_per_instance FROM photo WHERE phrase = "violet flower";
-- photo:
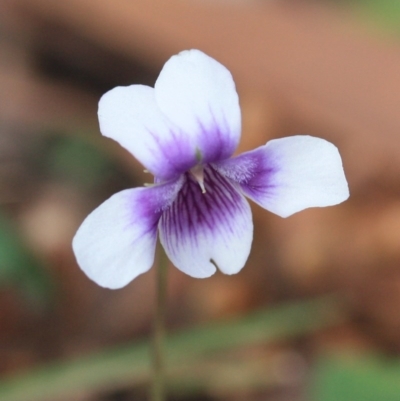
(184, 131)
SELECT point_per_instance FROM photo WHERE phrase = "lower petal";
(200, 231)
(116, 242)
(290, 174)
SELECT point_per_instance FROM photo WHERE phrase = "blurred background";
(314, 315)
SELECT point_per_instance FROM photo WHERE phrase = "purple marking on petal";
(253, 171)
(158, 197)
(176, 151)
(215, 141)
(214, 144)
(148, 204)
(179, 153)
(198, 227)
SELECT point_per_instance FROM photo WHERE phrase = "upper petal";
(201, 230)
(131, 116)
(198, 95)
(290, 174)
(116, 242)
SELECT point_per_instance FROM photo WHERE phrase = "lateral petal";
(198, 95)
(290, 174)
(202, 230)
(116, 242)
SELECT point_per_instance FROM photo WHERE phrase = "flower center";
(198, 173)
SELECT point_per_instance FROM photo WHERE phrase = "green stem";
(158, 387)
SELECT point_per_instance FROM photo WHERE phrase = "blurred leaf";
(361, 378)
(385, 13)
(75, 158)
(18, 265)
(130, 365)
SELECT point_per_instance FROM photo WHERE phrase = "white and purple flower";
(184, 131)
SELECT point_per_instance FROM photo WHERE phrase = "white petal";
(200, 230)
(130, 116)
(290, 174)
(198, 95)
(116, 242)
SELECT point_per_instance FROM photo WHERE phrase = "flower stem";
(158, 387)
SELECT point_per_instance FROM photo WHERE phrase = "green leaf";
(383, 13)
(130, 365)
(19, 267)
(77, 159)
(358, 378)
